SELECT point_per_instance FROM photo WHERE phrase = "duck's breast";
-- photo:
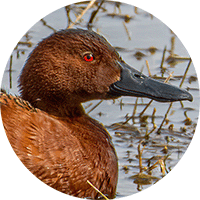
(62, 153)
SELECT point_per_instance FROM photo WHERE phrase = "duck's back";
(63, 153)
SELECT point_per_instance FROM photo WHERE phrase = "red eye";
(88, 57)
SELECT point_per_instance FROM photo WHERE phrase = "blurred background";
(145, 155)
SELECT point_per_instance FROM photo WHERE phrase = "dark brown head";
(73, 66)
(69, 67)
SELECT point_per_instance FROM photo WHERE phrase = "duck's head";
(73, 66)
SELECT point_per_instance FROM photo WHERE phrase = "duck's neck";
(60, 109)
(68, 111)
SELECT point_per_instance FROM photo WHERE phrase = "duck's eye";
(88, 57)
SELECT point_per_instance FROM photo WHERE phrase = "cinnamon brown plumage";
(48, 127)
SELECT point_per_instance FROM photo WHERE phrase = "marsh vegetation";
(149, 137)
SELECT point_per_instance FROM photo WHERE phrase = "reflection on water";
(145, 156)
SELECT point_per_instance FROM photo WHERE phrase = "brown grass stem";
(140, 155)
(168, 78)
(135, 10)
(153, 129)
(134, 110)
(127, 32)
(10, 71)
(166, 114)
(45, 24)
(147, 64)
(94, 13)
(95, 106)
(163, 57)
(153, 116)
(97, 190)
(172, 45)
(84, 11)
(128, 119)
(183, 79)
(159, 129)
(145, 108)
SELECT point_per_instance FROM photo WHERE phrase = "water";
(145, 31)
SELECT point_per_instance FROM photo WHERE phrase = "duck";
(47, 125)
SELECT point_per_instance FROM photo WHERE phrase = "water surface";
(138, 36)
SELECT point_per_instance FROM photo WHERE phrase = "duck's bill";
(134, 83)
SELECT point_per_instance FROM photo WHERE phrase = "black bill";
(134, 83)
